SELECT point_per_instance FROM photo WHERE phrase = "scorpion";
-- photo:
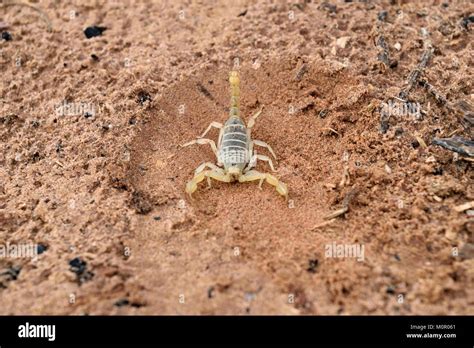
(235, 150)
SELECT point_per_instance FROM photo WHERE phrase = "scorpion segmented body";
(235, 150)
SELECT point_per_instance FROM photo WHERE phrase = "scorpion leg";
(212, 125)
(253, 162)
(264, 144)
(202, 141)
(267, 159)
(204, 166)
(254, 175)
(252, 119)
(216, 174)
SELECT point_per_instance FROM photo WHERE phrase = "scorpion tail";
(234, 94)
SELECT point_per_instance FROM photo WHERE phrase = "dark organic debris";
(93, 31)
(143, 97)
(79, 267)
(323, 113)
(157, 218)
(95, 57)
(416, 73)
(440, 99)
(125, 302)
(312, 265)
(141, 202)
(381, 43)
(59, 147)
(36, 157)
(6, 36)
(8, 120)
(457, 144)
(466, 21)
(122, 302)
(11, 273)
(383, 55)
(204, 91)
(210, 292)
(301, 71)
(464, 109)
(412, 80)
(325, 6)
(41, 248)
(461, 109)
(382, 16)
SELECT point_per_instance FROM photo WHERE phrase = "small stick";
(325, 223)
(330, 129)
(346, 179)
(413, 77)
(440, 99)
(43, 15)
(380, 42)
(453, 132)
(464, 207)
(416, 73)
(457, 144)
(421, 142)
(301, 71)
(204, 91)
(384, 55)
(345, 206)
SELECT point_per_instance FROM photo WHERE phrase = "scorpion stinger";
(235, 150)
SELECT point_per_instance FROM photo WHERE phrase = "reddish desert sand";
(100, 188)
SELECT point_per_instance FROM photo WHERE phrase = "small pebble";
(342, 41)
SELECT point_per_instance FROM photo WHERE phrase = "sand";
(99, 184)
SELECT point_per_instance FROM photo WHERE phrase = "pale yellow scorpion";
(235, 150)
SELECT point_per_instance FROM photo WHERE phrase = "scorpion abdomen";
(235, 143)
